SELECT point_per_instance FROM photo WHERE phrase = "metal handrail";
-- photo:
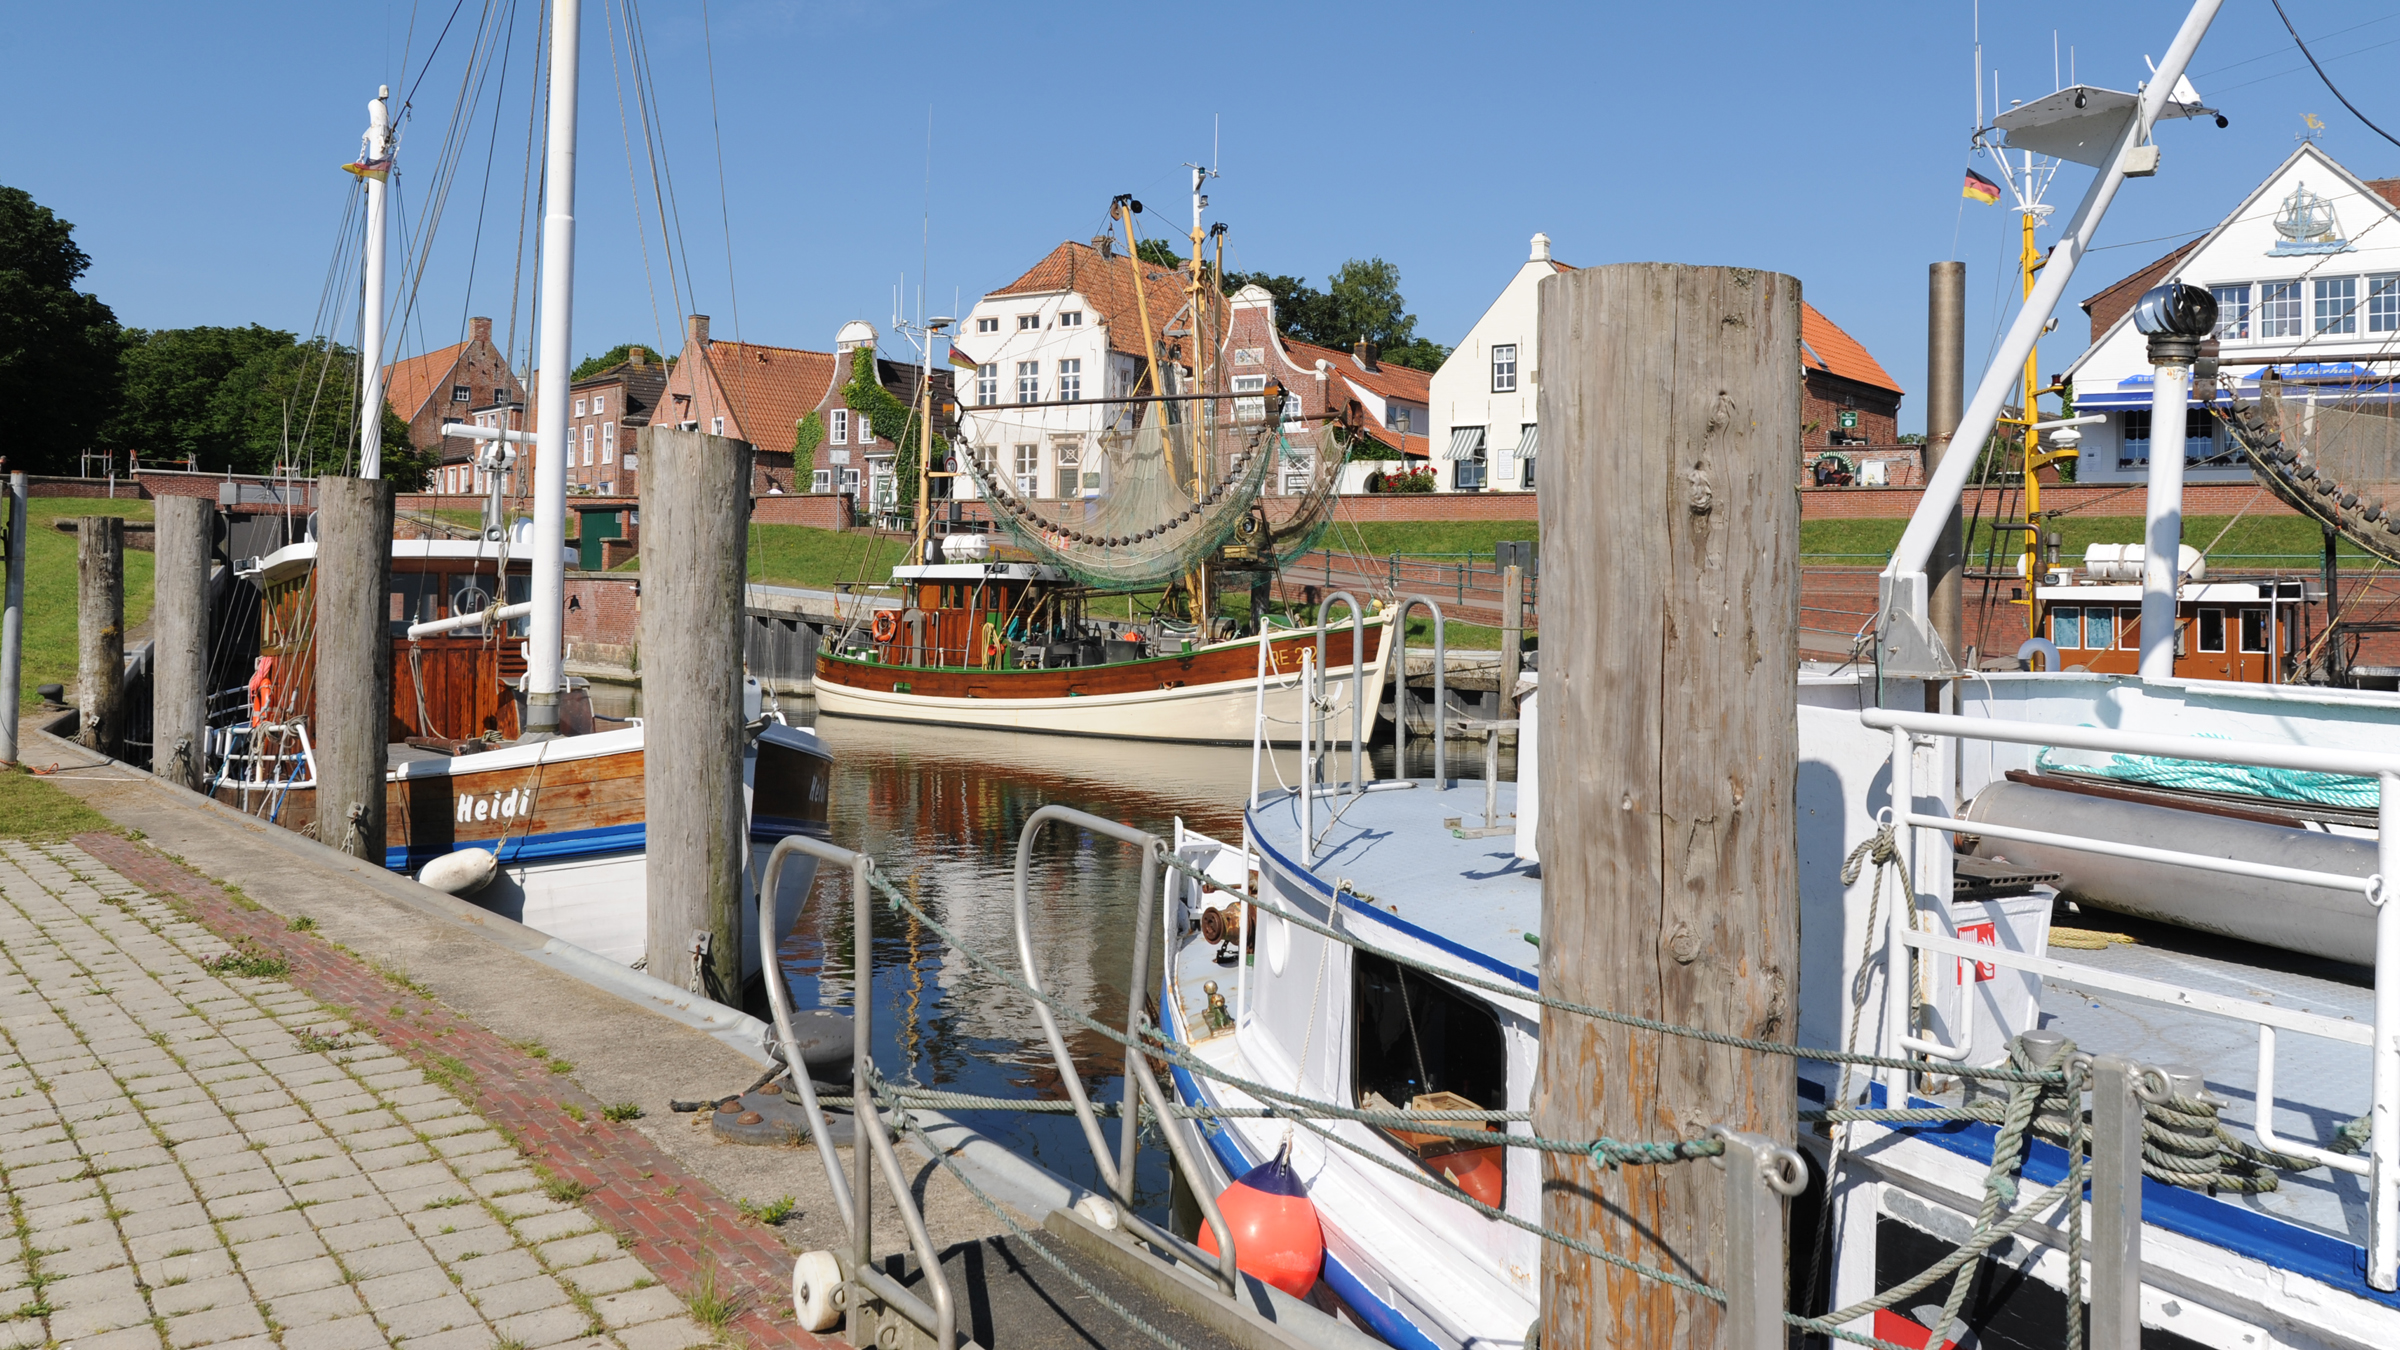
(1397, 631)
(1358, 684)
(870, 1136)
(1140, 1083)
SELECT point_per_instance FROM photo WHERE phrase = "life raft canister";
(262, 688)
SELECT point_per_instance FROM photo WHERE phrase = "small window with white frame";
(2337, 304)
(2383, 303)
(837, 423)
(579, 407)
(716, 426)
(587, 443)
(599, 404)
(1249, 409)
(821, 480)
(1029, 382)
(2233, 312)
(1504, 368)
(1070, 380)
(2279, 309)
(1029, 469)
(608, 442)
(864, 428)
(1028, 322)
(2212, 629)
(1070, 318)
(987, 324)
(987, 384)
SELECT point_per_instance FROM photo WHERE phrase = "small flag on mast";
(961, 359)
(378, 169)
(1980, 188)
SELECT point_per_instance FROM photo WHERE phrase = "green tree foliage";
(58, 345)
(593, 365)
(893, 421)
(1157, 253)
(1361, 302)
(236, 399)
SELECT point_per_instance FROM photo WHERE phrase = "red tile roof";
(408, 384)
(1108, 283)
(1400, 382)
(1824, 346)
(766, 390)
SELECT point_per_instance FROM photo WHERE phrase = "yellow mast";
(2036, 459)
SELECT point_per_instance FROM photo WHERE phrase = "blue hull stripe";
(2262, 1238)
(1426, 936)
(565, 844)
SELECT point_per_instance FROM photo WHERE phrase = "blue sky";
(195, 147)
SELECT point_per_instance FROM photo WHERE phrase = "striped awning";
(1530, 444)
(1465, 443)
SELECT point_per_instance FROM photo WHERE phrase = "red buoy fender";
(262, 688)
(1276, 1235)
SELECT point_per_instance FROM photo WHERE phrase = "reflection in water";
(940, 810)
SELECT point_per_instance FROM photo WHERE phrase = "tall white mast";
(542, 673)
(376, 148)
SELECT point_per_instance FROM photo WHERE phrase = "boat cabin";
(2250, 632)
(995, 616)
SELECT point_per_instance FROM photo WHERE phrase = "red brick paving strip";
(678, 1222)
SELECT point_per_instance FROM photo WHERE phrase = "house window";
(1070, 381)
(1029, 467)
(2254, 631)
(587, 445)
(821, 481)
(579, 407)
(850, 481)
(1469, 476)
(2233, 312)
(499, 396)
(2066, 628)
(987, 325)
(2100, 628)
(2383, 303)
(1249, 356)
(2337, 304)
(599, 404)
(2133, 439)
(608, 442)
(459, 393)
(1027, 322)
(1249, 409)
(2279, 309)
(865, 429)
(1421, 1043)
(1504, 368)
(839, 418)
(1397, 419)
(716, 426)
(1029, 381)
(1070, 470)
(1070, 318)
(2199, 437)
(2212, 630)
(987, 383)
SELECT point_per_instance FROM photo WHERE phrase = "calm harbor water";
(940, 809)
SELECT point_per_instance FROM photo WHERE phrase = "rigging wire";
(2328, 79)
(490, 152)
(641, 227)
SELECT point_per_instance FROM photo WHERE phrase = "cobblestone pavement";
(194, 1152)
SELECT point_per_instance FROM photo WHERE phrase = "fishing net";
(2325, 439)
(1169, 494)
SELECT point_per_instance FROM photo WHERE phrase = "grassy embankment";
(50, 584)
(33, 809)
(2253, 541)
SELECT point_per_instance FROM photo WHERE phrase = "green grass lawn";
(33, 809)
(2254, 540)
(1383, 538)
(799, 555)
(50, 617)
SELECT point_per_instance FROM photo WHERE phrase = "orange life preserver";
(262, 688)
(887, 625)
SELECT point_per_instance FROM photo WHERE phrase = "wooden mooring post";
(695, 517)
(100, 633)
(1670, 414)
(1512, 638)
(354, 662)
(179, 641)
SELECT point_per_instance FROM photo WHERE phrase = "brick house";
(457, 472)
(606, 412)
(447, 385)
(849, 458)
(1392, 400)
(1850, 405)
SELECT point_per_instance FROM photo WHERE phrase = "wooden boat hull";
(1208, 696)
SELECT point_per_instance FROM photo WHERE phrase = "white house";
(2306, 272)
(1482, 399)
(1068, 330)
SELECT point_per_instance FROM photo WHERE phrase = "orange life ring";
(887, 625)
(262, 688)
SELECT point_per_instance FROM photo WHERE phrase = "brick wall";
(2199, 499)
(45, 485)
(1824, 398)
(823, 510)
(602, 608)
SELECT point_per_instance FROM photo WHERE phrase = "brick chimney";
(1364, 352)
(637, 356)
(1105, 245)
(695, 333)
(479, 329)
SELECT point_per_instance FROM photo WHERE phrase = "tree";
(1361, 303)
(593, 365)
(1157, 253)
(243, 400)
(58, 345)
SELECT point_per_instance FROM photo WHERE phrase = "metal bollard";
(2116, 1204)
(1759, 1175)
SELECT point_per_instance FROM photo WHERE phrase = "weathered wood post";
(695, 515)
(1512, 637)
(179, 645)
(12, 623)
(354, 662)
(100, 633)
(1670, 413)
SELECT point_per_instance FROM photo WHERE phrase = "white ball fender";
(462, 873)
(816, 1278)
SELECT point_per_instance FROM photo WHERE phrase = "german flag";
(961, 359)
(1980, 188)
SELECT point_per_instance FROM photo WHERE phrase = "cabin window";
(2100, 628)
(1420, 1038)
(416, 597)
(470, 594)
(2212, 630)
(2254, 630)
(2066, 628)
(2129, 629)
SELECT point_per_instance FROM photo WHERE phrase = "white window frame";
(1250, 409)
(820, 480)
(1029, 381)
(2334, 306)
(587, 443)
(988, 324)
(1028, 464)
(1504, 368)
(864, 428)
(579, 407)
(608, 442)
(1029, 323)
(599, 404)
(1070, 380)
(716, 426)
(987, 384)
(838, 420)
(2282, 309)
(1070, 318)
(2233, 311)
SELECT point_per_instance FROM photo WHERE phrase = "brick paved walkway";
(196, 1152)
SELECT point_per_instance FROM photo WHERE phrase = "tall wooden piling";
(695, 519)
(100, 633)
(1670, 413)
(354, 662)
(179, 642)
(1512, 638)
